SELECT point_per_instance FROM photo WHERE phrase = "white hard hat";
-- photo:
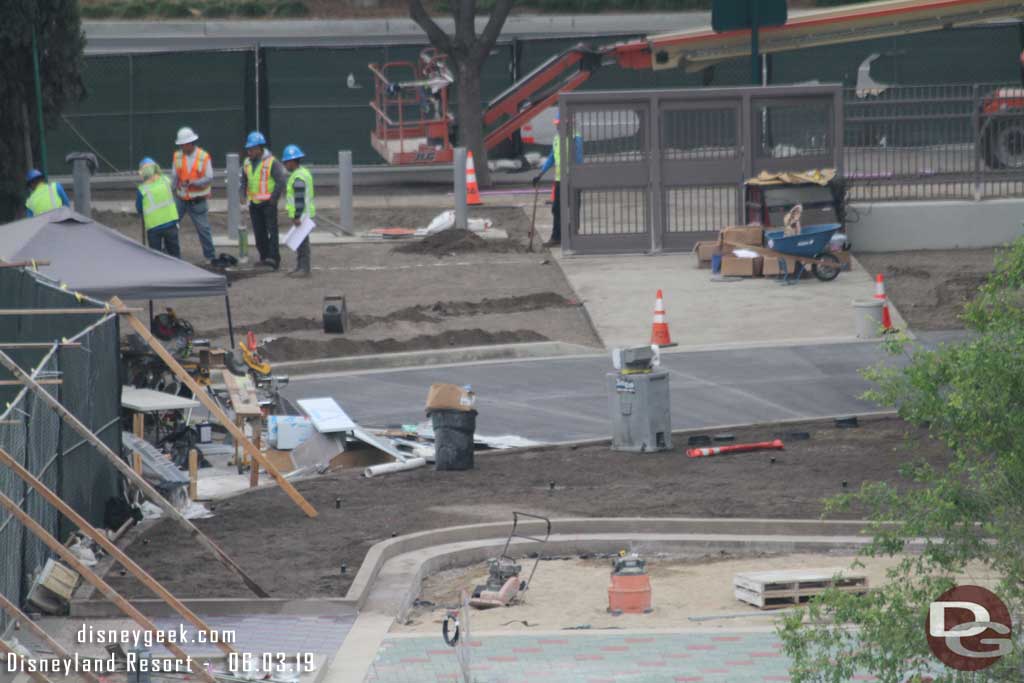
(185, 136)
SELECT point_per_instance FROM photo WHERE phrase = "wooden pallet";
(784, 588)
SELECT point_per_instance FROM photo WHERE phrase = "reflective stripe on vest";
(44, 198)
(303, 174)
(556, 150)
(158, 207)
(260, 184)
(188, 175)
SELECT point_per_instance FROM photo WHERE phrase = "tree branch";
(492, 30)
(438, 38)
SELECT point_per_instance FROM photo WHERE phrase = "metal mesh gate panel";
(642, 187)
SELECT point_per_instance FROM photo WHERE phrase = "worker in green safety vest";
(262, 182)
(43, 196)
(555, 159)
(299, 202)
(154, 201)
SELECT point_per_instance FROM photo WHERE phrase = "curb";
(311, 369)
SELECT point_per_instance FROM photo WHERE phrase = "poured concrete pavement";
(563, 399)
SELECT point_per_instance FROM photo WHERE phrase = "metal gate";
(658, 170)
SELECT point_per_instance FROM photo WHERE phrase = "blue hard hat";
(292, 152)
(146, 161)
(255, 139)
(33, 174)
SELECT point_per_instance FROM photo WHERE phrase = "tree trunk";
(470, 117)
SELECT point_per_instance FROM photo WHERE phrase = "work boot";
(299, 273)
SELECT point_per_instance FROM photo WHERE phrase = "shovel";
(533, 217)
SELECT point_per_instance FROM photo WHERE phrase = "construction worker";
(155, 202)
(43, 196)
(193, 179)
(298, 202)
(263, 180)
(554, 159)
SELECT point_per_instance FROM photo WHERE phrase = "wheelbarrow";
(813, 246)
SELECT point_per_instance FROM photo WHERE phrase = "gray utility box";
(640, 411)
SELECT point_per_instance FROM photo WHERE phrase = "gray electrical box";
(640, 411)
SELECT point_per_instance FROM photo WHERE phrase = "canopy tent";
(93, 259)
(98, 261)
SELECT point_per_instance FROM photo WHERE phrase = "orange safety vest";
(188, 175)
(260, 186)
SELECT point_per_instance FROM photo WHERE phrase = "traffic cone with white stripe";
(880, 294)
(659, 330)
(472, 191)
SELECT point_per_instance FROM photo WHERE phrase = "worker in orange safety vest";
(193, 179)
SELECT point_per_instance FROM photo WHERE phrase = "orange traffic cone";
(659, 330)
(880, 294)
(472, 191)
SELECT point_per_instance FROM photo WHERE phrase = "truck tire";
(1003, 144)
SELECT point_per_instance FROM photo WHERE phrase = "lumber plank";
(244, 400)
(35, 675)
(101, 539)
(58, 649)
(15, 382)
(91, 576)
(132, 476)
(37, 345)
(193, 474)
(24, 264)
(63, 311)
(199, 393)
(772, 253)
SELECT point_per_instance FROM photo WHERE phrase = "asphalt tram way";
(564, 399)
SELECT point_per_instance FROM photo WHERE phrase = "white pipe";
(389, 467)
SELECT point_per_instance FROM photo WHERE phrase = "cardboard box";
(770, 267)
(450, 397)
(285, 432)
(745, 234)
(744, 267)
(704, 252)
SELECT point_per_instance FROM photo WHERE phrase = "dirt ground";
(291, 555)
(400, 295)
(930, 287)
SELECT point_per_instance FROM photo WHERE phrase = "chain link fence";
(36, 437)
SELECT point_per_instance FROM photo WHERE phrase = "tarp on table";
(98, 261)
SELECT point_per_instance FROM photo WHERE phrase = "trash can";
(867, 316)
(453, 438)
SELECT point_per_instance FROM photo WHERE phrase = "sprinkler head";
(771, 460)
(551, 486)
(344, 568)
(844, 483)
(337, 503)
(393, 534)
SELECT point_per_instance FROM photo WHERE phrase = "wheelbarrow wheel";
(829, 272)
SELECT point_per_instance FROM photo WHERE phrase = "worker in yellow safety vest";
(298, 202)
(193, 179)
(43, 196)
(555, 159)
(263, 181)
(154, 201)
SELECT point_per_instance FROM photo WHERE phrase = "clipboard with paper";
(298, 233)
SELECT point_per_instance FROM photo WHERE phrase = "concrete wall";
(904, 226)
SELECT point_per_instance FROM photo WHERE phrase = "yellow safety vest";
(556, 150)
(261, 184)
(303, 174)
(158, 207)
(44, 198)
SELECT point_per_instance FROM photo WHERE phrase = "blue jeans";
(198, 211)
(165, 238)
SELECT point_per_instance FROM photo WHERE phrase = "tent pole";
(231, 329)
